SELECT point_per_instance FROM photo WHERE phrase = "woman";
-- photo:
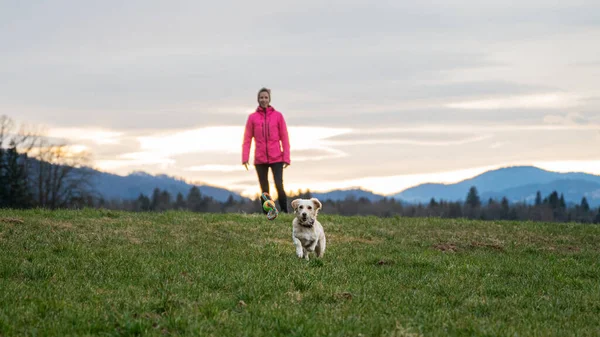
(272, 146)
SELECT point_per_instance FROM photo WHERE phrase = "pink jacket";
(268, 129)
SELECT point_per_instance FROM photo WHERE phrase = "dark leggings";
(262, 170)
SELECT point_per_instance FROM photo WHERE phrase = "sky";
(380, 95)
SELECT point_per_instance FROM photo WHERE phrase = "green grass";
(96, 272)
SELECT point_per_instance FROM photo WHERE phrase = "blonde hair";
(263, 89)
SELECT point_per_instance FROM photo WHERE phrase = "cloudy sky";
(381, 95)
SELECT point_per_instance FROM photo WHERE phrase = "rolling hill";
(112, 186)
(518, 183)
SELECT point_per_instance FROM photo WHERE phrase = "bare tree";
(24, 138)
(6, 127)
(60, 175)
(57, 172)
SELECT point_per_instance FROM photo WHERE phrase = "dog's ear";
(317, 203)
(295, 203)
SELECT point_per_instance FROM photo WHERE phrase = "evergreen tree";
(17, 190)
(143, 203)
(454, 210)
(194, 199)
(179, 202)
(14, 183)
(553, 200)
(538, 198)
(561, 202)
(505, 208)
(584, 205)
(155, 200)
(230, 201)
(165, 200)
(473, 198)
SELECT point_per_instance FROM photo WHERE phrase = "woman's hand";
(246, 165)
(285, 165)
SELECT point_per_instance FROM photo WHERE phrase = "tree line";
(551, 208)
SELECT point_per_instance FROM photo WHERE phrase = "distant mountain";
(337, 195)
(518, 183)
(112, 186)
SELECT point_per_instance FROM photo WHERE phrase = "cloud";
(485, 128)
(118, 68)
(216, 168)
(228, 139)
(96, 135)
(161, 148)
(409, 141)
(498, 145)
(547, 101)
(587, 166)
(324, 153)
(211, 139)
(132, 161)
(63, 154)
(571, 118)
(408, 136)
(496, 83)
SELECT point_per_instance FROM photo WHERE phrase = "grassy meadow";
(105, 273)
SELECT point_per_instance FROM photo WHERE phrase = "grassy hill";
(97, 272)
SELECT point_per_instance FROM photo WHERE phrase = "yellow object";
(268, 205)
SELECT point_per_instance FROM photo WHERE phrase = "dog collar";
(308, 223)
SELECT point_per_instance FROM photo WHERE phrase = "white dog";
(307, 233)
